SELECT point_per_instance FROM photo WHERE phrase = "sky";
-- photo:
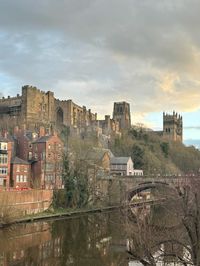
(145, 52)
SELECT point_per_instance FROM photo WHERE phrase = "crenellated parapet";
(173, 126)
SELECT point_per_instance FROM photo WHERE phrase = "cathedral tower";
(121, 113)
(172, 127)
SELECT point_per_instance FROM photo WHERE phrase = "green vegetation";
(154, 155)
(148, 150)
(75, 174)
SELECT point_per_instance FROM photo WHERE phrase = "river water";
(96, 239)
(89, 240)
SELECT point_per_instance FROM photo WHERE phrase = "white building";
(137, 172)
(121, 166)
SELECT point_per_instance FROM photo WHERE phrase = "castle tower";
(172, 127)
(121, 113)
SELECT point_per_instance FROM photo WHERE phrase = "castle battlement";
(36, 90)
(4, 99)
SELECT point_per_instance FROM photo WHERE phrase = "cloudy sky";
(146, 52)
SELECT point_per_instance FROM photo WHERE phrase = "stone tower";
(172, 127)
(121, 113)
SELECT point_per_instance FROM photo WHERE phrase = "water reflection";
(96, 240)
(89, 240)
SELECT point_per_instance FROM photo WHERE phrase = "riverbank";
(71, 213)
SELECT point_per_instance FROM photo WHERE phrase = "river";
(89, 240)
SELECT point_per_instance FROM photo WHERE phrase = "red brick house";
(24, 139)
(6, 149)
(47, 162)
(20, 173)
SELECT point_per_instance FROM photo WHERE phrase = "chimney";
(4, 133)
(16, 130)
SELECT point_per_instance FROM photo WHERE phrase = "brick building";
(47, 162)
(6, 149)
(20, 173)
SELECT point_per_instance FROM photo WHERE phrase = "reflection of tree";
(86, 240)
(151, 241)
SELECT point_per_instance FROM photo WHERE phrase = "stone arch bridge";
(122, 189)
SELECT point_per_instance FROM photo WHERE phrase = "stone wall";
(26, 202)
(38, 107)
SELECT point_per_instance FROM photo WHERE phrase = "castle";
(35, 108)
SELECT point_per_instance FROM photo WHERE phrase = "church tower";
(172, 127)
(121, 113)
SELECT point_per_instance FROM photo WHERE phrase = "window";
(25, 169)
(3, 171)
(18, 168)
(30, 155)
(25, 178)
(21, 178)
(17, 178)
(3, 158)
(3, 146)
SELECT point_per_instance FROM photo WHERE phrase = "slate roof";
(97, 154)
(17, 160)
(7, 139)
(119, 160)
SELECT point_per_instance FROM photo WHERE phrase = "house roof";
(119, 160)
(17, 160)
(7, 139)
(98, 153)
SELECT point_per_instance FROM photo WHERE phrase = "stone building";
(121, 113)
(35, 108)
(172, 127)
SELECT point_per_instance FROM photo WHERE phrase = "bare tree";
(150, 243)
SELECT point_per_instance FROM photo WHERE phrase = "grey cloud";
(121, 49)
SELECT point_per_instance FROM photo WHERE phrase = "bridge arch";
(142, 187)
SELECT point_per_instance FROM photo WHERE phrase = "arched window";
(59, 116)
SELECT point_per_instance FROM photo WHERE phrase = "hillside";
(154, 155)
